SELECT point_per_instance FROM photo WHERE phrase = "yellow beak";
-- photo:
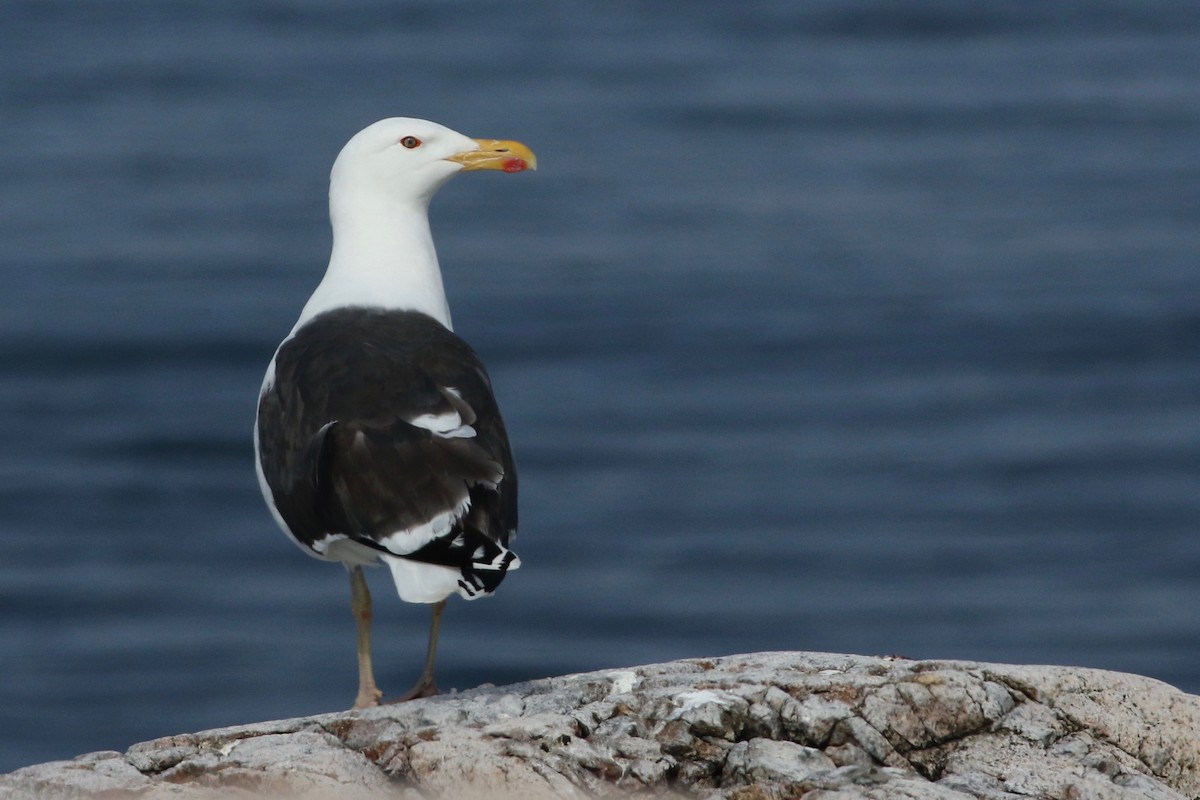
(497, 154)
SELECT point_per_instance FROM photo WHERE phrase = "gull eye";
(410, 142)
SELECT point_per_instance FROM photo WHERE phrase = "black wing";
(381, 426)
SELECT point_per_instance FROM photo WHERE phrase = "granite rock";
(766, 726)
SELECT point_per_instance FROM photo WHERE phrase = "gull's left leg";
(360, 604)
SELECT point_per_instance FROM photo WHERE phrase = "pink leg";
(360, 604)
(425, 686)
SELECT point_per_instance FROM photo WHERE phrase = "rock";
(769, 726)
(709, 712)
(764, 760)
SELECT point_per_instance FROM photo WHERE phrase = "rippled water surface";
(853, 326)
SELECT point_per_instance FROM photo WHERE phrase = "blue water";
(864, 326)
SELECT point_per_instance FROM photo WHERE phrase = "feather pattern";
(380, 427)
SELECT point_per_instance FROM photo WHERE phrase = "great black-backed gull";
(378, 437)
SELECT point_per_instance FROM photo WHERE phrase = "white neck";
(383, 257)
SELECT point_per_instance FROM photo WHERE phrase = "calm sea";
(860, 326)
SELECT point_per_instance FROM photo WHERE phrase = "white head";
(379, 193)
(408, 160)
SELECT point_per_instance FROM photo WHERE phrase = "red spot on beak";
(515, 165)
